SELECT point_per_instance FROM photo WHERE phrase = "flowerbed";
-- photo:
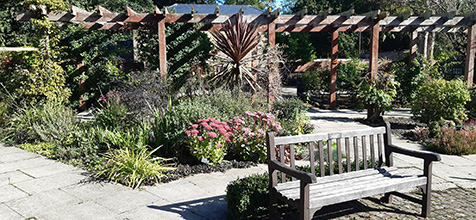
(458, 140)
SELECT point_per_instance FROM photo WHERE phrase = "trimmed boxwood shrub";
(248, 198)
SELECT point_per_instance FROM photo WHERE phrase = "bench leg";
(426, 201)
(273, 206)
(387, 198)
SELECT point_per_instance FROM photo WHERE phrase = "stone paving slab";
(10, 192)
(23, 164)
(7, 213)
(49, 169)
(13, 177)
(128, 200)
(40, 204)
(18, 156)
(51, 182)
(89, 191)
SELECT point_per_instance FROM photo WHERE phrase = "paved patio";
(32, 186)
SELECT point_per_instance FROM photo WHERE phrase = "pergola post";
(423, 44)
(162, 49)
(430, 46)
(413, 47)
(271, 74)
(470, 50)
(373, 59)
(334, 62)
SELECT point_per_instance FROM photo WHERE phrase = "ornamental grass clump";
(133, 167)
(249, 134)
(207, 140)
(459, 140)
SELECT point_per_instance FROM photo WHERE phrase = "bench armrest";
(419, 154)
(301, 175)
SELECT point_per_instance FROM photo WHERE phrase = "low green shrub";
(286, 109)
(248, 198)
(458, 140)
(438, 98)
(113, 115)
(412, 76)
(44, 148)
(291, 113)
(349, 78)
(50, 122)
(132, 167)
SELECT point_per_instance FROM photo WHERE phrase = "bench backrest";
(333, 152)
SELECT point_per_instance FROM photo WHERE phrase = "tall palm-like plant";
(236, 41)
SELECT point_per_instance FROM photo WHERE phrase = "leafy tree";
(296, 46)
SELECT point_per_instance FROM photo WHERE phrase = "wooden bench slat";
(357, 185)
(380, 153)
(356, 153)
(364, 152)
(374, 189)
(318, 189)
(292, 158)
(311, 157)
(282, 160)
(325, 136)
(339, 155)
(330, 156)
(347, 152)
(372, 151)
(322, 166)
(341, 177)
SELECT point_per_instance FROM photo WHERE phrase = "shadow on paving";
(208, 208)
(355, 210)
(461, 178)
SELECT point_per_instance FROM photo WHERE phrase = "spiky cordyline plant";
(236, 41)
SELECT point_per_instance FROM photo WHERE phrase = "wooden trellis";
(272, 22)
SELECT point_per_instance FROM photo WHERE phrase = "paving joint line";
(21, 171)
(4, 203)
(29, 194)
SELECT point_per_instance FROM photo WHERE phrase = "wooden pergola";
(271, 22)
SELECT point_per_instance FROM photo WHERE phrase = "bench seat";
(345, 187)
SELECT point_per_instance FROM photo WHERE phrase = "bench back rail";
(346, 151)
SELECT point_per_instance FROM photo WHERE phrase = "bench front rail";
(344, 166)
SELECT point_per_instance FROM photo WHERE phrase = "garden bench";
(374, 175)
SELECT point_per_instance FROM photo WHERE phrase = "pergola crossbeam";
(272, 22)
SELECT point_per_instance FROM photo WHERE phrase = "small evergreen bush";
(248, 198)
(438, 98)
(291, 112)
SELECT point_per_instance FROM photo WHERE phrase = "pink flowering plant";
(207, 140)
(459, 140)
(249, 139)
